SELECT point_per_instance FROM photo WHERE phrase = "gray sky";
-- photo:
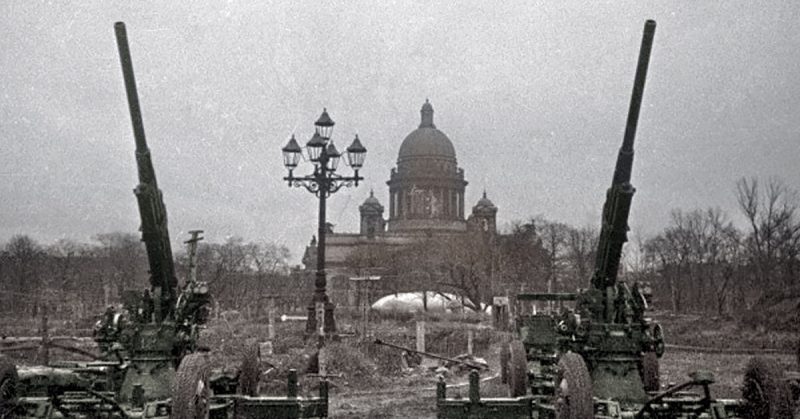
(533, 94)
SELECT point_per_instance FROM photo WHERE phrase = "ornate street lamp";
(323, 182)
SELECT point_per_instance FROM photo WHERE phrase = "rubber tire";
(191, 392)
(249, 371)
(517, 369)
(505, 355)
(765, 391)
(650, 372)
(573, 388)
(9, 380)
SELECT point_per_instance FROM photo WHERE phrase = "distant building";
(426, 197)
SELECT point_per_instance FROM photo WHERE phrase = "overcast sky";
(533, 95)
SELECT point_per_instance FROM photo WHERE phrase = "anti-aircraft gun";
(157, 331)
(153, 367)
(165, 332)
(587, 346)
(162, 340)
(603, 341)
(143, 342)
(593, 354)
(609, 331)
(153, 213)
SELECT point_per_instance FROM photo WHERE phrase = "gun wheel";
(504, 358)
(765, 391)
(573, 392)
(517, 369)
(250, 371)
(650, 372)
(8, 387)
(191, 393)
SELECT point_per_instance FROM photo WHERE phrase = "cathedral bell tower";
(372, 222)
(484, 216)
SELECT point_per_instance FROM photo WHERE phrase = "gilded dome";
(426, 141)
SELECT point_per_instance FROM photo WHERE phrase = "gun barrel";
(622, 172)
(153, 214)
(130, 85)
(614, 228)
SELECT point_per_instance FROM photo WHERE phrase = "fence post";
(291, 391)
(45, 348)
(441, 389)
(271, 320)
(474, 389)
(421, 336)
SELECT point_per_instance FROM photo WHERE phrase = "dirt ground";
(412, 395)
(370, 382)
(400, 401)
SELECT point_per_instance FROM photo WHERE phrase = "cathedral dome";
(426, 189)
(426, 141)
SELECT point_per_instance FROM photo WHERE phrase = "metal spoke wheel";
(191, 393)
(249, 371)
(517, 369)
(765, 391)
(8, 387)
(650, 372)
(573, 398)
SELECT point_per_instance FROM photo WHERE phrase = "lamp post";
(323, 182)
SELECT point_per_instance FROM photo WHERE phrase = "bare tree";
(661, 259)
(522, 262)
(123, 264)
(555, 241)
(581, 251)
(23, 257)
(68, 283)
(774, 239)
(546, 255)
(465, 268)
(697, 258)
(243, 274)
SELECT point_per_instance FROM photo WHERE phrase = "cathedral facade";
(426, 197)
